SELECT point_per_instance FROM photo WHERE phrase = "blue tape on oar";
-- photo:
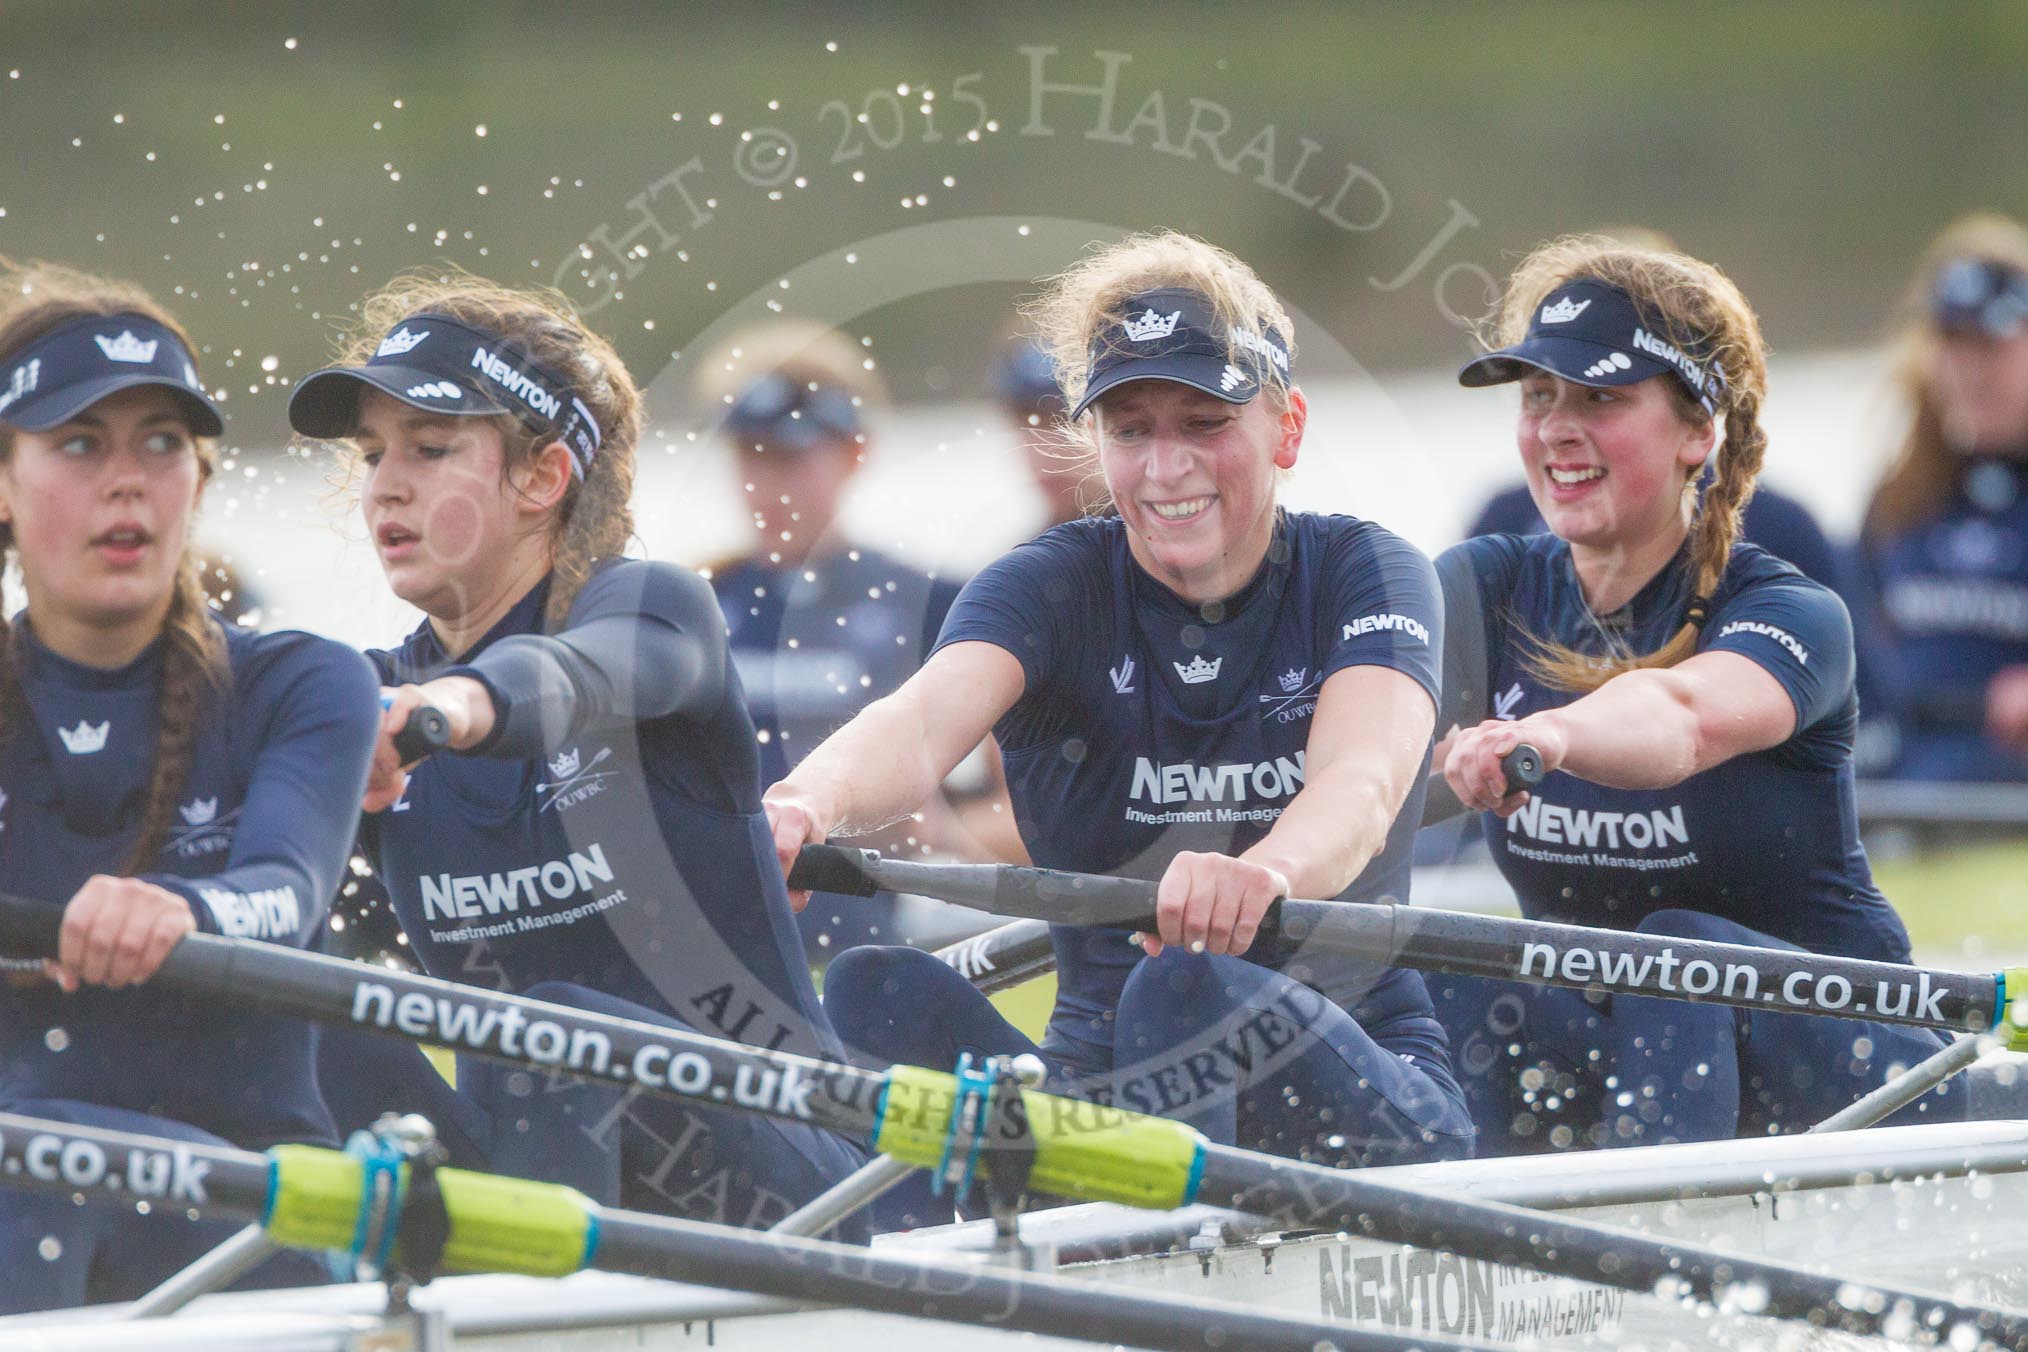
(380, 1187)
(967, 1126)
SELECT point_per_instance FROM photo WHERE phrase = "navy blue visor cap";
(1170, 333)
(444, 366)
(1591, 333)
(81, 361)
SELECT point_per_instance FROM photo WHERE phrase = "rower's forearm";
(872, 772)
(1638, 731)
(1330, 831)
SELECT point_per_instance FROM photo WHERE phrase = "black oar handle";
(427, 731)
(1523, 767)
(29, 928)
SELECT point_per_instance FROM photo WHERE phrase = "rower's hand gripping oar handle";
(1043, 894)
(426, 732)
(1523, 768)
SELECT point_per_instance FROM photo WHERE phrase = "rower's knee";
(1677, 923)
(877, 997)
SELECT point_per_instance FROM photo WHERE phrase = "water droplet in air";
(56, 1039)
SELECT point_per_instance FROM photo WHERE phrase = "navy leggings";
(618, 1147)
(55, 1253)
(1244, 1054)
(1548, 1068)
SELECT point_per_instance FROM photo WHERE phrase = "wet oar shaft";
(312, 1198)
(1615, 961)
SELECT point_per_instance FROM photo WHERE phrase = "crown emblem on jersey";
(1563, 311)
(564, 764)
(199, 811)
(85, 738)
(1199, 671)
(1292, 679)
(1151, 325)
(400, 341)
(126, 347)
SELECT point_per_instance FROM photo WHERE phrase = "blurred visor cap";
(1980, 297)
(1024, 378)
(776, 411)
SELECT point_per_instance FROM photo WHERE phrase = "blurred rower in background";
(1024, 385)
(1945, 540)
(820, 625)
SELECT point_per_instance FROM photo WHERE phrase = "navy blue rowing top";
(1954, 593)
(1769, 840)
(259, 842)
(817, 641)
(1150, 725)
(608, 832)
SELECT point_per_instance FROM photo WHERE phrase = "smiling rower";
(1692, 697)
(1201, 689)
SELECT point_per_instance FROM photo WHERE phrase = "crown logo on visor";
(564, 764)
(127, 347)
(1151, 325)
(199, 811)
(85, 738)
(1563, 311)
(1199, 671)
(400, 341)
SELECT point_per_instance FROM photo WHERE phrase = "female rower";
(1201, 689)
(163, 772)
(1945, 543)
(595, 836)
(1693, 697)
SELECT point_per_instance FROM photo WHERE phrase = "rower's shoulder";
(1495, 564)
(266, 664)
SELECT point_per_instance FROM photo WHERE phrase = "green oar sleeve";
(1082, 1150)
(496, 1224)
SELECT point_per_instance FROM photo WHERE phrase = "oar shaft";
(1542, 953)
(311, 1187)
(1002, 957)
(1310, 1195)
(657, 1058)
(833, 1274)
(1629, 963)
(169, 1175)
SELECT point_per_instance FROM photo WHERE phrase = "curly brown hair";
(595, 519)
(35, 298)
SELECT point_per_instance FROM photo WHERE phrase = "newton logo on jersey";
(1231, 782)
(1559, 825)
(1374, 624)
